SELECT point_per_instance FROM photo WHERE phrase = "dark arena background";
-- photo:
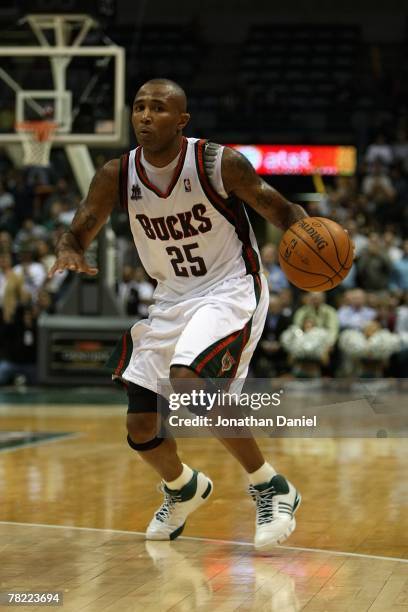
(315, 95)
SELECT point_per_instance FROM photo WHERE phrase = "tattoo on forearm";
(240, 169)
(89, 222)
(277, 209)
(240, 177)
(84, 219)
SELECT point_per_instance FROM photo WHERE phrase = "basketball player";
(184, 198)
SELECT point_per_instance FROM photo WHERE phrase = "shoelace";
(264, 503)
(167, 506)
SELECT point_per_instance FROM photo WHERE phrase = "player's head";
(159, 113)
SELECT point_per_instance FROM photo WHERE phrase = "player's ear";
(184, 119)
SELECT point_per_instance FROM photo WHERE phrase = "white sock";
(179, 482)
(262, 475)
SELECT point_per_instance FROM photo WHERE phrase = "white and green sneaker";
(169, 520)
(276, 503)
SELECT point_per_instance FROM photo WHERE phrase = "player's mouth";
(145, 131)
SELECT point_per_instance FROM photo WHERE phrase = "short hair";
(178, 90)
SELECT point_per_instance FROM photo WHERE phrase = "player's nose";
(146, 116)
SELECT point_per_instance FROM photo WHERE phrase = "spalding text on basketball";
(317, 238)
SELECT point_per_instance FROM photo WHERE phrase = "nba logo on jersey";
(187, 185)
(136, 192)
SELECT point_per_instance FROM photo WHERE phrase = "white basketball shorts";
(214, 334)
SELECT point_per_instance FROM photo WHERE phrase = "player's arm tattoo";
(241, 180)
(93, 211)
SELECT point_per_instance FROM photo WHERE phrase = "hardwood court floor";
(355, 502)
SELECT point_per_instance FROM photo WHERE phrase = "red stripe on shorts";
(122, 355)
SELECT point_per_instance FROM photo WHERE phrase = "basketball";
(316, 254)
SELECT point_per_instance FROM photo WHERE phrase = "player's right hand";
(74, 262)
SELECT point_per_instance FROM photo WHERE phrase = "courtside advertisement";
(300, 159)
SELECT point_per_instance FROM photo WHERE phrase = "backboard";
(64, 79)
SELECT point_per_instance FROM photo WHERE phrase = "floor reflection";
(209, 578)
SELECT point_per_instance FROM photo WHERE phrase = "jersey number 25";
(198, 266)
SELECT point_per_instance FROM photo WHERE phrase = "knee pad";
(141, 399)
(145, 446)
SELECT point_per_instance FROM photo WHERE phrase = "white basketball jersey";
(188, 238)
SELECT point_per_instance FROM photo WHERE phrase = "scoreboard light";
(300, 159)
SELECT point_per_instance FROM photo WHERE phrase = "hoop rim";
(39, 125)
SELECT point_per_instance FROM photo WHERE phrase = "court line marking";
(68, 436)
(196, 539)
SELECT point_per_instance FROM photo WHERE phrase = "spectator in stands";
(320, 314)
(276, 278)
(380, 193)
(33, 273)
(12, 291)
(6, 199)
(45, 303)
(374, 266)
(63, 192)
(125, 288)
(401, 323)
(400, 149)
(8, 220)
(270, 358)
(308, 348)
(344, 191)
(53, 219)
(391, 246)
(350, 282)
(379, 151)
(145, 291)
(23, 196)
(19, 357)
(68, 211)
(399, 361)
(6, 242)
(29, 233)
(44, 254)
(287, 301)
(400, 270)
(366, 353)
(385, 309)
(135, 291)
(400, 183)
(354, 314)
(360, 240)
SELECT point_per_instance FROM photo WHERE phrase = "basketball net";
(36, 139)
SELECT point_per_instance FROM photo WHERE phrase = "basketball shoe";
(276, 503)
(169, 520)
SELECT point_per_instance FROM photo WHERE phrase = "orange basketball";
(316, 254)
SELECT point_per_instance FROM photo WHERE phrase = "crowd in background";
(361, 327)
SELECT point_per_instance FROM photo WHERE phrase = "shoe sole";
(177, 532)
(291, 528)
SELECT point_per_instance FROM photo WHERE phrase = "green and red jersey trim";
(141, 173)
(232, 209)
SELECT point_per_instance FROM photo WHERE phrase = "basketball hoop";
(36, 139)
